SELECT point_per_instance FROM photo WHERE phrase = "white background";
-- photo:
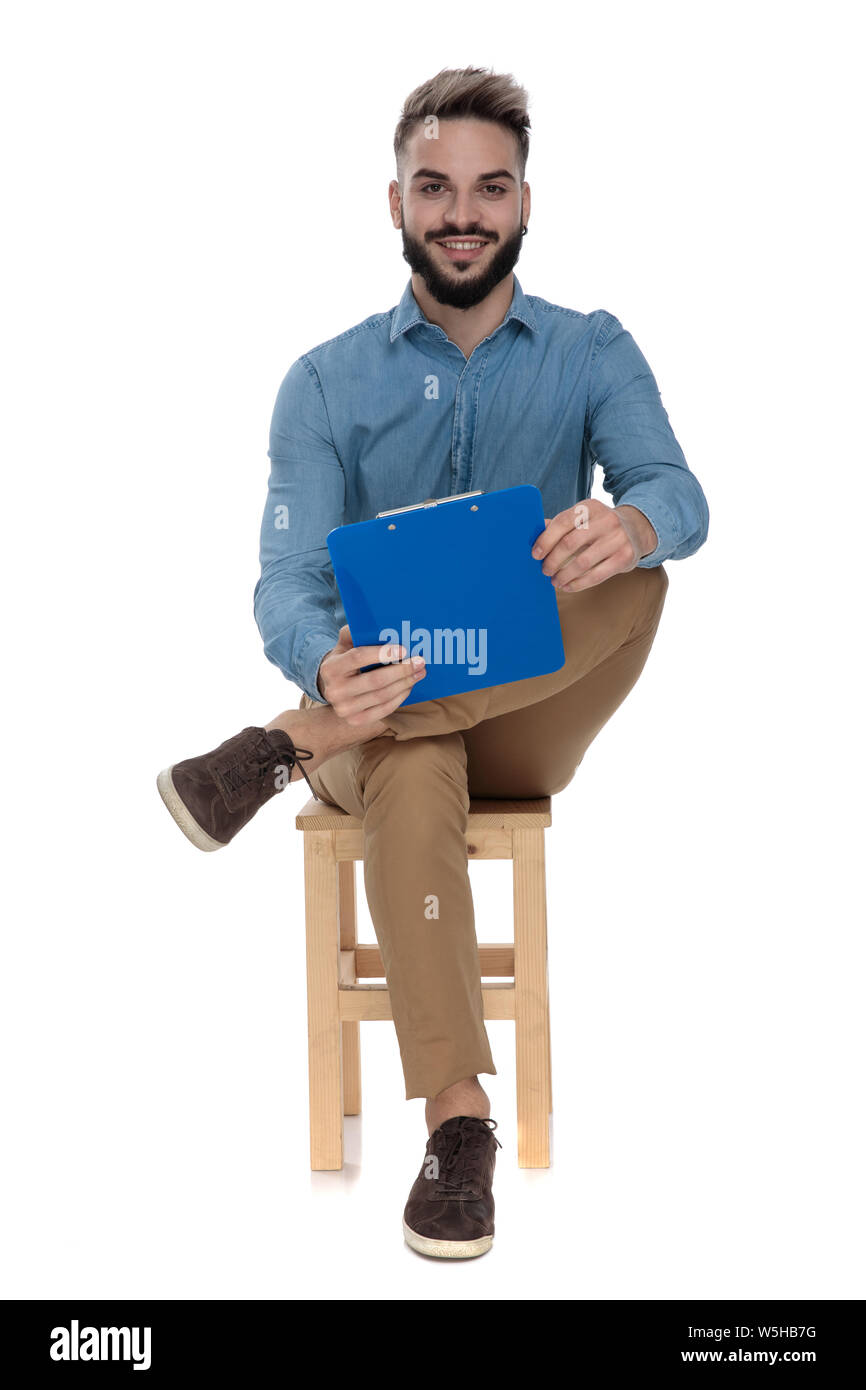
(197, 193)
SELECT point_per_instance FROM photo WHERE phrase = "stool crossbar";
(342, 987)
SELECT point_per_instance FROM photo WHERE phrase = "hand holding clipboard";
(454, 581)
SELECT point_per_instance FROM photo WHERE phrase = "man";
(467, 384)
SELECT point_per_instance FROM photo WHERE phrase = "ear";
(395, 203)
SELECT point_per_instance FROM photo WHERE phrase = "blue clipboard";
(454, 580)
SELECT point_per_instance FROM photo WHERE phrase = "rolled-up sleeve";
(629, 434)
(296, 594)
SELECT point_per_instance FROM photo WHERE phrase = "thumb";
(344, 641)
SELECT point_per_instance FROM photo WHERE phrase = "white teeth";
(463, 245)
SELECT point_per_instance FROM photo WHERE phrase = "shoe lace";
(462, 1153)
(259, 761)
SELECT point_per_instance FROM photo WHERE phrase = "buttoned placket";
(466, 398)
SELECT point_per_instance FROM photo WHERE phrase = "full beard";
(464, 289)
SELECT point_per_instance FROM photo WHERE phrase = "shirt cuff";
(662, 522)
(317, 646)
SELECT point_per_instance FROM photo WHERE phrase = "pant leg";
(536, 750)
(595, 623)
(413, 799)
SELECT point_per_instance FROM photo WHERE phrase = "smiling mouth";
(469, 244)
(462, 250)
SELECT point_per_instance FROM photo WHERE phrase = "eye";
(497, 188)
(425, 186)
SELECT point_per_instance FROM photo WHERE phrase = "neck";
(466, 327)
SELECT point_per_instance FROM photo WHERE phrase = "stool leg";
(351, 1030)
(549, 1062)
(323, 1004)
(531, 1007)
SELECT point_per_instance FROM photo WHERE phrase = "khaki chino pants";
(411, 787)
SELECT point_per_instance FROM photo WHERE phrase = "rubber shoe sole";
(181, 816)
(446, 1249)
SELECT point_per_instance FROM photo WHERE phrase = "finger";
(378, 681)
(563, 553)
(594, 554)
(367, 710)
(597, 575)
(357, 692)
(604, 566)
(561, 525)
(604, 527)
(387, 653)
(543, 540)
(546, 539)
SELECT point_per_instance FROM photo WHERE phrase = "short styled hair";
(456, 93)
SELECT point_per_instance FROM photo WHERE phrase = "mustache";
(451, 235)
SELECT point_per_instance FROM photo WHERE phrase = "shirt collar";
(408, 313)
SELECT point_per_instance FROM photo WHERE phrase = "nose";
(463, 210)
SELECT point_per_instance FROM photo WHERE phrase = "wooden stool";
(337, 1001)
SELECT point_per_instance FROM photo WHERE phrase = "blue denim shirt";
(391, 412)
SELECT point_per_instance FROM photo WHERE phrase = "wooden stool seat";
(343, 991)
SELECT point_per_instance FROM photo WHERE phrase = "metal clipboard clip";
(430, 502)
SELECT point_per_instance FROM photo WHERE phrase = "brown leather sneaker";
(450, 1208)
(214, 795)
